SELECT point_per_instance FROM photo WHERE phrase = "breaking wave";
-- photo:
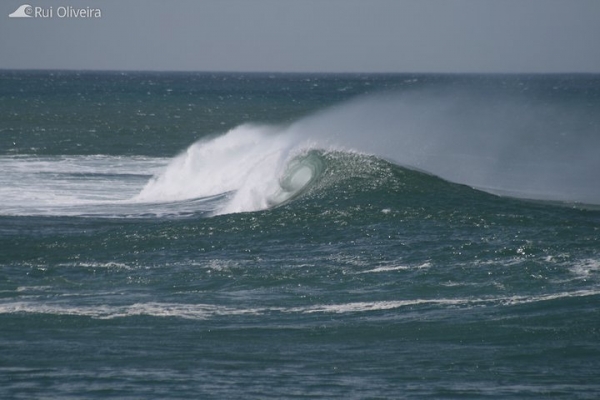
(505, 145)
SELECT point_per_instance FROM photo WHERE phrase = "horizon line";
(266, 72)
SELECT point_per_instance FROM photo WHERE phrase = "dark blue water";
(287, 236)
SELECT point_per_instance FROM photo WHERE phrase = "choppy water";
(279, 236)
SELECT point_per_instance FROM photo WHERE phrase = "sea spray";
(508, 144)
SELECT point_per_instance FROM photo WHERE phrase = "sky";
(471, 36)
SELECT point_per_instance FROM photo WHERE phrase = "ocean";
(228, 235)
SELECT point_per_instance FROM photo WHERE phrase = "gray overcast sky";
(308, 35)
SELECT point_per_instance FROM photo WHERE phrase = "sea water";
(197, 235)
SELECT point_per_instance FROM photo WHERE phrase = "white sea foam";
(390, 268)
(70, 185)
(386, 269)
(206, 311)
(586, 267)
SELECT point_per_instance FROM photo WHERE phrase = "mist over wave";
(514, 145)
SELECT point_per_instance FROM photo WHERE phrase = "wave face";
(192, 236)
